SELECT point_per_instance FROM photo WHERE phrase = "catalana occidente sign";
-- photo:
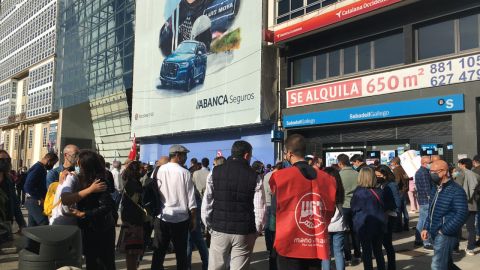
(457, 70)
(197, 65)
(432, 105)
(340, 12)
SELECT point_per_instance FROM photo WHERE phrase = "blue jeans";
(336, 247)
(422, 218)
(195, 238)
(442, 252)
(403, 212)
(35, 213)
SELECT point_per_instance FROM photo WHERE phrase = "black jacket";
(151, 198)
(98, 208)
(234, 186)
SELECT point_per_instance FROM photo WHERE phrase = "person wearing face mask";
(36, 188)
(448, 212)
(423, 186)
(178, 214)
(9, 205)
(234, 207)
(357, 162)
(392, 204)
(70, 157)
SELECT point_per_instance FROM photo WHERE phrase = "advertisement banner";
(447, 72)
(336, 15)
(439, 104)
(197, 65)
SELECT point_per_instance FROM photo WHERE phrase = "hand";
(97, 186)
(76, 213)
(63, 176)
(424, 235)
(193, 225)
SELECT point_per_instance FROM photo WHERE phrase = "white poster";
(197, 65)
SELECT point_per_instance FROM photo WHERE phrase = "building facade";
(94, 74)
(27, 53)
(204, 78)
(355, 80)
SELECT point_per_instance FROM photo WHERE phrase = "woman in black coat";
(94, 209)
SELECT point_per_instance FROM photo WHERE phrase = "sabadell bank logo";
(310, 214)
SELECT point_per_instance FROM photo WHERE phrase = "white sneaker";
(470, 252)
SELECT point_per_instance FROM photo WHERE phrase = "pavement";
(407, 256)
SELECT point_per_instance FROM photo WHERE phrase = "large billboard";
(197, 65)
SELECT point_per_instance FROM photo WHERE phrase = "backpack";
(48, 204)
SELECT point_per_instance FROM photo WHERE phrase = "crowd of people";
(311, 216)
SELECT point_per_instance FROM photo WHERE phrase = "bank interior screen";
(386, 156)
(331, 157)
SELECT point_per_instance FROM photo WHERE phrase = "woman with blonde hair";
(369, 220)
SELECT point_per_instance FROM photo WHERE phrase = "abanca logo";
(310, 214)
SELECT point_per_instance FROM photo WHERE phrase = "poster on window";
(197, 65)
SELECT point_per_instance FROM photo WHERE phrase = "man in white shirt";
(117, 179)
(178, 214)
(234, 207)
(200, 176)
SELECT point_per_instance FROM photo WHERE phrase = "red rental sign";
(325, 93)
(334, 16)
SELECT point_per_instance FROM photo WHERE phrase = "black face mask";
(4, 165)
(48, 167)
(380, 180)
(435, 178)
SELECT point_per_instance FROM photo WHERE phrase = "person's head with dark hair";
(269, 166)
(295, 148)
(476, 161)
(49, 160)
(91, 167)
(340, 193)
(465, 163)
(205, 162)
(278, 166)
(242, 150)
(395, 162)
(132, 171)
(384, 174)
(5, 163)
(343, 161)
(107, 165)
(357, 160)
(218, 161)
(258, 167)
(193, 162)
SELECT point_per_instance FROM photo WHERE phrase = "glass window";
(303, 70)
(389, 50)
(349, 60)
(468, 27)
(45, 137)
(364, 56)
(334, 63)
(436, 39)
(283, 7)
(321, 66)
(30, 138)
(296, 4)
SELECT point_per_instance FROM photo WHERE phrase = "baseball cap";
(176, 148)
(309, 157)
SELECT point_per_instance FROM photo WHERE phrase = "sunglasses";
(6, 159)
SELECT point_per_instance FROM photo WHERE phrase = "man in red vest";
(305, 204)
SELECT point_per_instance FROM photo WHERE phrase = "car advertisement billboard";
(197, 65)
